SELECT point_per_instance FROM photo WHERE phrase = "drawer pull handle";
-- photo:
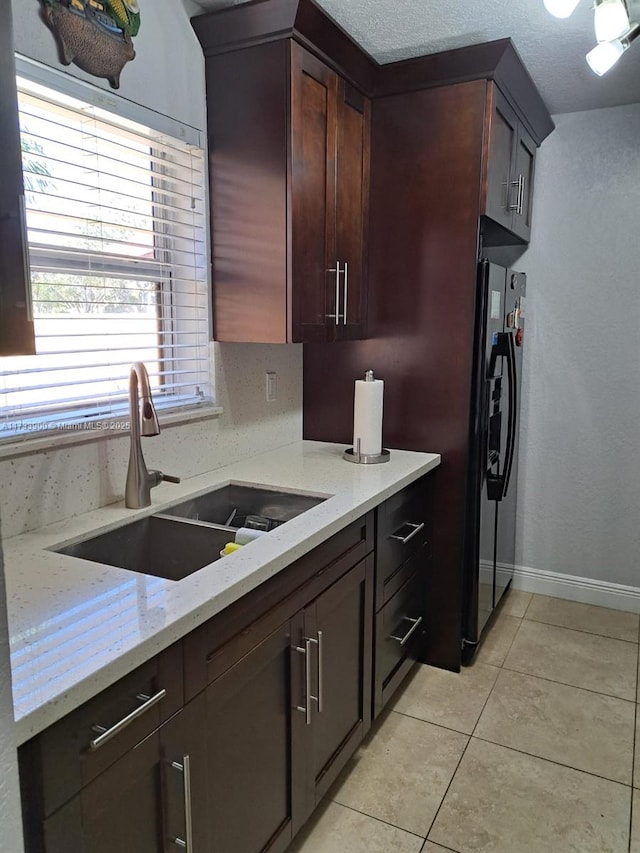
(185, 843)
(404, 539)
(308, 696)
(306, 708)
(105, 735)
(414, 627)
(320, 671)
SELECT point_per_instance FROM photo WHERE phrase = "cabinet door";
(524, 163)
(151, 800)
(314, 282)
(16, 325)
(352, 202)
(249, 756)
(500, 186)
(339, 625)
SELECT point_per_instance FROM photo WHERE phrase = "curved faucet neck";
(142, 421)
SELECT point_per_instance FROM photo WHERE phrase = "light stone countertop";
(76, 626)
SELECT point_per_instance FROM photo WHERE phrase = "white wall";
(167, 74)
(579, 476)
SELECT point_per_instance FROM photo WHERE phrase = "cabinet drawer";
(400, 633)
(402, 531)
(417, 562)
(69, 754)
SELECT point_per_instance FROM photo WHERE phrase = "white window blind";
(116, 233)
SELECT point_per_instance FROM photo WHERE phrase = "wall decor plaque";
(96, 35)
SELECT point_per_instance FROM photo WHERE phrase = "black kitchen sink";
(165, 547)
(239, 505)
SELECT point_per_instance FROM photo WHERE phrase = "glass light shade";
(560, 8)
(605, 55)
(610, 19)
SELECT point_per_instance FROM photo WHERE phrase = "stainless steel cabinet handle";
(515, 184)
(414, 627)
(521, 185)
(346, 293)
(518, 206)
(185, 768)
(306, 708)
(309, 697)
(320, 673)
(404, 539)
(107, 734)
(337, 271)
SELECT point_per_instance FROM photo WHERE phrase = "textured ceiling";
(553, 50)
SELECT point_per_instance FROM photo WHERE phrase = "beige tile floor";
(535, 748)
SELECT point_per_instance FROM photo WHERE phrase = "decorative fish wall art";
(96, 35)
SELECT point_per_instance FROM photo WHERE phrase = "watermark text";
(63, 426)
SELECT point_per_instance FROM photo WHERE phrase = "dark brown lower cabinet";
(338, 629)
(284, 719)
(280, 697)
(249, 751)
(152, 800)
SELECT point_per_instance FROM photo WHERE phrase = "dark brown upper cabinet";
(329, 190)
(289, 169)
(16, 321)
(509, 161)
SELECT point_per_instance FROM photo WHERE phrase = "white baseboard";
(585, 590)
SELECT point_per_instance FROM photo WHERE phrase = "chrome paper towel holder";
(353, 454)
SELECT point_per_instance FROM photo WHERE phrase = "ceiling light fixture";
(561, 8)
(614, 31)
(611, 19)
(605, 54)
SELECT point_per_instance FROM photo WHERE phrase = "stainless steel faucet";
(143, 421)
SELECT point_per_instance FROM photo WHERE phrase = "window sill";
(109, 428)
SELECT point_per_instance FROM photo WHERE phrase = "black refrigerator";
(490, 531)
(449, 348)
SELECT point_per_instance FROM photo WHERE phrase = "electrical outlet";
(272, 386)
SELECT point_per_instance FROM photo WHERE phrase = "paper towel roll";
(244, 535)
(367, 415)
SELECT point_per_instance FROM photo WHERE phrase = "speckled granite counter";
(76, 627)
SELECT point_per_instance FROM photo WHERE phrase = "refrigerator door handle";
(513, 409)
(497, 484)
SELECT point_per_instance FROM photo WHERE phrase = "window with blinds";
(115, 224)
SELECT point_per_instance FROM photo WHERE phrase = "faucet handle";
(169, 478)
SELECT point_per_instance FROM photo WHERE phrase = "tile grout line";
(431, 723)
(529, 603)
(453, 775)
(423, 849)
(553, 761)
(510, 644)
(444, 796)
(580, 630)
(378, 819)
(633, 760)
(486, 700)
(566, 684)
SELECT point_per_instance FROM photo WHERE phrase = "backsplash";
(50, 485)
